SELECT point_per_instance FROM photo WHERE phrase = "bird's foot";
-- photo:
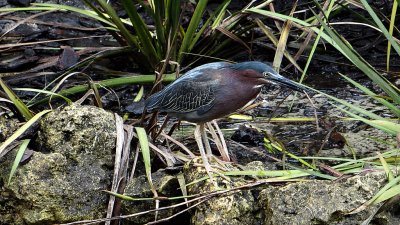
(215, 169)
(220, 164)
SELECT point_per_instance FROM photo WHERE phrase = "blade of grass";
(69, 101)
(142, 31)
(88, 13)
(182, 184)
(384, 125)
(144, 146)
(145, 149)
(128, 198)
(298, 23)
(390, 106)
(276, 146)
(317, 39)
(382, 27)
(386, 167)
(391, 26)
(114, 82)
(50, 7)
(18, 157)
(234, 37)
(351, 106)
(193, 25)
(221, 14)
(273, 39)
(377, 121)
(139, 94)
(159, 14)
(267, 173)
(21, 130)
(391, 192)
(281, 46)
(128, 37)
(381, 196)
(22, 108)
(358, 61)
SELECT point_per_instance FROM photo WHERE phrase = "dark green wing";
(194, 91)
(184, 96)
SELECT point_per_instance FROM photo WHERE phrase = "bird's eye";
(266, 74)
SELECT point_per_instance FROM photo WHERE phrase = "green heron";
(212, 91)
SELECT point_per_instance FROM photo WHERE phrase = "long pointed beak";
(276, 78)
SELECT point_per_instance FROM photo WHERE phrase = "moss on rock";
(64, 181)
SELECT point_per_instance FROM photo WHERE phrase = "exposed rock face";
(166, 185)
(361, 143)
(235, 209)
(7, 127)
(79, 132)
(309, 202)
(62, 182)
(324, 202)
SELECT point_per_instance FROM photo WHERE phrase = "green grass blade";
(382, 194)
(382, 27)
(205, 25)
(267, 173)
(221, 13)
(139, 94)
(358, 61)
(50, 7)
(114, 82)
(21, 130)
(69, 101)
(160, 12)
(193, 25)
(127, 198)
(128, 37)
(173, 15)
(182, 184)
(390, 106)
(386, 167)
(391, 26)
(394, 127)
(18, 158)
(22, 108)
(299, 22)
(384, 125)
(293, 156)
(391, 192)
(315, 45)
(142, 32)
(145, 149)
(88, 13)
(274, 40)
(351, 106)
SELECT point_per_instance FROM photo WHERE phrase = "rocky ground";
(62, 181)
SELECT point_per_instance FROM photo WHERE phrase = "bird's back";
(192, 91)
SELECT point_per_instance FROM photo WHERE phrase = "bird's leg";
(198, 136)
(205, 140)
(219, 140)
(209, 152)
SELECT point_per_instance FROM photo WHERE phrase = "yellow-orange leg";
(199, 134)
